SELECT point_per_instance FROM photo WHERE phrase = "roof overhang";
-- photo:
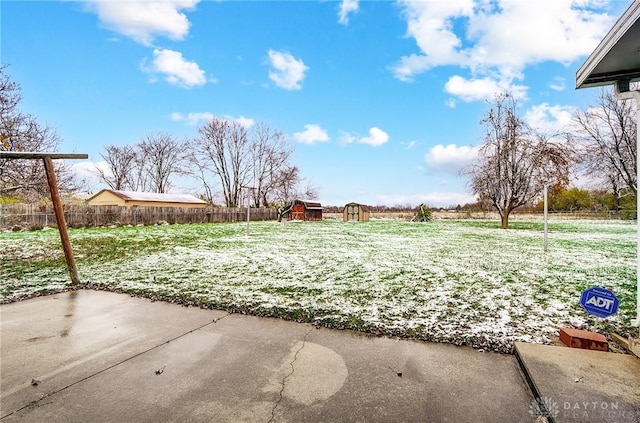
(616, 60)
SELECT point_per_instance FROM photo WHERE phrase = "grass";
(463, 282)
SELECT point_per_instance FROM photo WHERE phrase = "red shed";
(304, 210)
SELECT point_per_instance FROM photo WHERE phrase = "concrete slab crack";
(287, 376)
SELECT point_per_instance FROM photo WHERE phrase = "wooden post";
(61, 223)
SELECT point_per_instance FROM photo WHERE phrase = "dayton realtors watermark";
(605, 411)
(584, 410)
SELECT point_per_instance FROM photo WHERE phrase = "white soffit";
(617, 57)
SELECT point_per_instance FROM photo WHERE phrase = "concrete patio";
(91, 356)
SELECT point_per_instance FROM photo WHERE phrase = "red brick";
(576, 338)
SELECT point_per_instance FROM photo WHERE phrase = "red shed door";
(297, 212)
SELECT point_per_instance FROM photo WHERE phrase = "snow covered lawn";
(463, 282)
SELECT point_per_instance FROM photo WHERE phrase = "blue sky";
(383, 99)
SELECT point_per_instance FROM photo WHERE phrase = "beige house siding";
(106, 198)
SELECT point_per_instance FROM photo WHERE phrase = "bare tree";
(271, 154)
(514, 162)
(200, 169)
(607, 133)
(256, 162)
(10, 96)
(22, 132)
(160, 156)
(147, 166)
(120, 172)
(289, 186)
(223, 149)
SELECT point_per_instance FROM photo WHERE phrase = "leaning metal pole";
(60, 220)
(55, 199)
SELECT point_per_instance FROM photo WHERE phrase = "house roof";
(153, 197)
(617, 57)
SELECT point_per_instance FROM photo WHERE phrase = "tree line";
(516, 161)
(19, 131)
(230, 162)
(234, 164)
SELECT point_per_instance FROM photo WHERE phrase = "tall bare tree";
(223, 150)
(288, 186)
(201, 170)
(607, 132)
(514, 162)
(22, 132)
(254, 162)
(146, 166)
(160, 156)
(271, 155)
(119, 173)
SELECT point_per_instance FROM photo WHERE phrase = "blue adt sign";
(599, 301)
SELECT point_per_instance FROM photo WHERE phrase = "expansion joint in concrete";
(38, 402)
(220, 318)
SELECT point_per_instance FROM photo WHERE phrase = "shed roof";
(153, 197)
(312, 206)
(617, 57)
(309, 205)
(362, 207)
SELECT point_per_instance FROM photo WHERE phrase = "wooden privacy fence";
(35, 216)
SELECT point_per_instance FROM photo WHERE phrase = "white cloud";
(376, 138)
(194, 118)
(482, 88)
(449, 158)
(410, 145)
(87, 169)
(430, 23)
(497, 39)
(244, 122)
(549, 119)
(287, 72)
(524, 32)
(347, 7)
(175, 68)
(143, 20)
(347, 138)
(87, 172)
(312, 134)
(557, 84)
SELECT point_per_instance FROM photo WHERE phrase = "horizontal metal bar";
(40, 155)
